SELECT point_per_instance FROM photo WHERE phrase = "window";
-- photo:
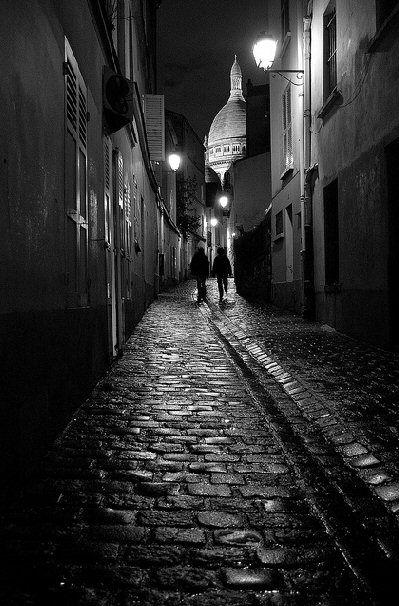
(285, 20)
(384, 8)
(76, 202)
(226, 149)
(218, 150)
(279, 224)
(287, 157)
(236, 149)
(330, 51)
(331, 233)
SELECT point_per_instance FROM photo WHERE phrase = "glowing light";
(234, 234)
(214, 222)
(264, 51)
(223, 201)
(174, 161)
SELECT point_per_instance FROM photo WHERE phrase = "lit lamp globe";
(174, 161)
(223, 201)
(214, 222)
(264, 51)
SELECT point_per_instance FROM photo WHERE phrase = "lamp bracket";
(299, 73)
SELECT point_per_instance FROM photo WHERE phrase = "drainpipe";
(308, 309)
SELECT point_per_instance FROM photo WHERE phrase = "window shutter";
(108, 231)
(154, 112)
(76, 199)
(287, 156)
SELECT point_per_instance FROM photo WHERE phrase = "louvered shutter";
(76, 200)
(108, 228)
(287, 157)
(154, 112)
(128, 239)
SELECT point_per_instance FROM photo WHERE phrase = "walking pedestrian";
(221, 269)
(199, 267)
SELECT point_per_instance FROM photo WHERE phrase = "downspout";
(308, 310)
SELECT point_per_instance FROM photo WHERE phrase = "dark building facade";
(80, 206)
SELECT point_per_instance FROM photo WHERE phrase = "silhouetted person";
(221, 269)
(199, 267)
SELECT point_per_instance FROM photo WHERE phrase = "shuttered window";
(76, 202)
(287, 156)
(330, 51)
(108, 228)
(285, 19)
(154, 112)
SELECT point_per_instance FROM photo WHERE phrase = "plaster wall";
(252, 196)
(348, 144)
(286, 184)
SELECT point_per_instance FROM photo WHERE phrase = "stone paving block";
(219, 519)
(209, 490)
(388, 492)
(192, 536)
(238, 537)
(260, 579)
(180, 502)
(255, 490)
(226, 478)
(166, 518)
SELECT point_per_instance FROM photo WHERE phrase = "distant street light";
(174, 161)
(214, 222)
(223, 201)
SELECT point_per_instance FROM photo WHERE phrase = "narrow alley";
(194, 476)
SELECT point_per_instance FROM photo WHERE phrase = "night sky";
(197, 40)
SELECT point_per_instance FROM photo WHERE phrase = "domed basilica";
(227, 135)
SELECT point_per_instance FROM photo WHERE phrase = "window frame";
(330, 49)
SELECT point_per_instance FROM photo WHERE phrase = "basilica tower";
(227, 135)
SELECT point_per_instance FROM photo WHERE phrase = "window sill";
(333, 101)
(379, 41)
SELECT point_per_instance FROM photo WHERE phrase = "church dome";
(229, 122)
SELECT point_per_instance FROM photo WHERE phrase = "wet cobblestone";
(348, 389)
(169, 488)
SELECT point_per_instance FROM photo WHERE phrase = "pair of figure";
(200, 269)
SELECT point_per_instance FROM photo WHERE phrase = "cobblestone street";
(208, 468)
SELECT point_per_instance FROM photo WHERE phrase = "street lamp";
(214, 222)
(223, 201)
(264, 52)
(174, 161)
